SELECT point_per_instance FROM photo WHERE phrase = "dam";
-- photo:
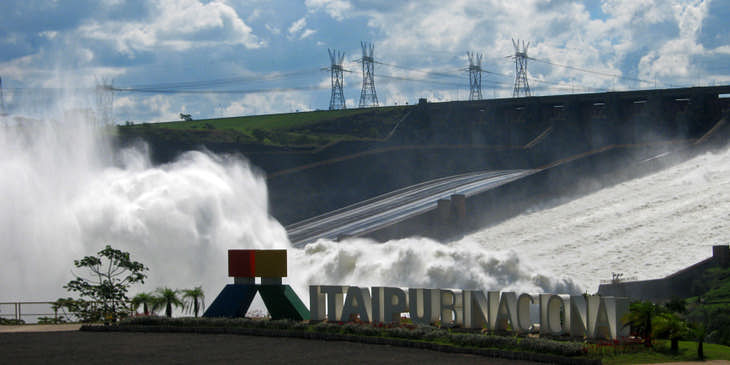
(556, 142)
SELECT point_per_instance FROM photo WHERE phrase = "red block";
(242, 263)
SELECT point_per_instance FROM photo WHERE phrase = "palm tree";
(194, 299)
(699, 318)
(640, 316)
(670, 325)
(168, 298)
(147, 300)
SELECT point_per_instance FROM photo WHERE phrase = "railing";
(32, 313)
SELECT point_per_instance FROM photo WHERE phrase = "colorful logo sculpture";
(245, 266)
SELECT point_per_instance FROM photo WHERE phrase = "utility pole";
(522, 88)
(475, 75)
(337, 99)
(368, 96)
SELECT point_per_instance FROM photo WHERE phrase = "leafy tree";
(167, 298)
(640, 317)
(194, 299)
(699, 318)
(110, 273)
(669, 325)
(676, 305)
(146, 300)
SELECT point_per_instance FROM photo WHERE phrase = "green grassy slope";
(661, 354)
(289, 129)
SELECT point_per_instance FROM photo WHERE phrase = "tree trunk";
(145, 309)
(195, 308)
(700, 350)
(168, 310)
(675, 345)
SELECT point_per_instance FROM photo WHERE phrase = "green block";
(283, 303)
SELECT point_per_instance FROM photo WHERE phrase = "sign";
(589, 316)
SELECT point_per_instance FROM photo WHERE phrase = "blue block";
(233, 301)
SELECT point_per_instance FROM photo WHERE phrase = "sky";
(245, 57)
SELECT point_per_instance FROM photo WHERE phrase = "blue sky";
(271, 52)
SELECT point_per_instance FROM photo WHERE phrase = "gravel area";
(188, 348)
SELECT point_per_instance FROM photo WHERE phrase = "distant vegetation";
(291, 129)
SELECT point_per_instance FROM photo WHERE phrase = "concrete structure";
(244, 266)
(682, 284)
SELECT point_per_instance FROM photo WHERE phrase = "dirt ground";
(188, 348)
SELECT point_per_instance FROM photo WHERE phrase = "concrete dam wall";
(682, 284)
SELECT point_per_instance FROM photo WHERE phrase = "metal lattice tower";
(104, 102)
(2, 98)
(522, 88)
(337, 100)
(368, 96)
(475, 75)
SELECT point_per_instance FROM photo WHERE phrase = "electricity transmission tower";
(337, 100)
(2, 98)
(104, 102)
(368, 96)
(475, 75)
(522, 88)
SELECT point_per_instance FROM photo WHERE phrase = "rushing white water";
(645, 228)
(65, 197)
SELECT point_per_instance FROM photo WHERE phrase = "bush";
(425, 333)
(327, 327)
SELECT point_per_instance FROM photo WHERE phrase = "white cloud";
(177, 25)
(307, 33)
(265, 103)
(272, 29)
(48, 34)
(297, 26)
(337, 9)
(161, 107)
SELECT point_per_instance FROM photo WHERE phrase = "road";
(388, 209)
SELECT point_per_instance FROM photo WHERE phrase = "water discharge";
(66, 193)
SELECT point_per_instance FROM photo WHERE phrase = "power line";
(240, 91)
(600, 73)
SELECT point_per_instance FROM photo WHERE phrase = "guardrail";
(31, 312)
(18, 314)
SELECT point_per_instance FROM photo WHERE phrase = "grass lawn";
(290, 129)
(271, 121)
(687, 352)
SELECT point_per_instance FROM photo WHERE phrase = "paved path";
(190, 348)
(39, 328)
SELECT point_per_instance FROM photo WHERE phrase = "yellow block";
(270, 263)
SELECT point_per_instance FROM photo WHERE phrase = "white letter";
(357, 303)
(507, 311)
(523, 312)
(423, 304)
(476, 309)
(395, 303)
(451, 308)
(334, 301)
(316, 304)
